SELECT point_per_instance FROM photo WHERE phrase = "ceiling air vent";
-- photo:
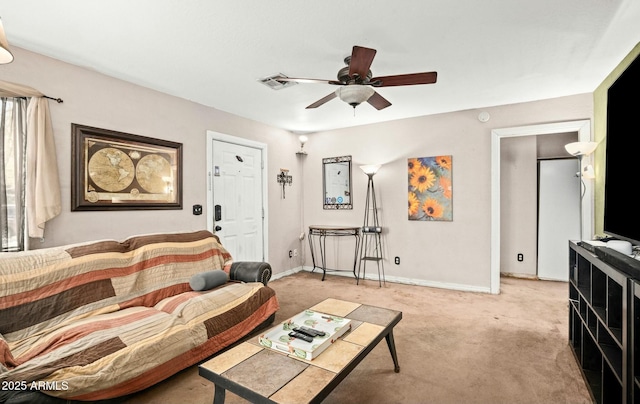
(275, 84)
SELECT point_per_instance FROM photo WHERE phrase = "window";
(12, 176)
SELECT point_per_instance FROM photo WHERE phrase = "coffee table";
(263, 375)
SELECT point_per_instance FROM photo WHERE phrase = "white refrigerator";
(559, 191)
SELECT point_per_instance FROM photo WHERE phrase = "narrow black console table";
(604, 322)
(322, 232)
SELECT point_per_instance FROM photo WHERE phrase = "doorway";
(583, 128)
(237, 195)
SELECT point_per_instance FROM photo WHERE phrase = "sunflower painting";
(430, 188)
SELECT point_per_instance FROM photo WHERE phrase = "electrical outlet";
(520, 257)
(295, 252)
(397, 260)
(290, 253)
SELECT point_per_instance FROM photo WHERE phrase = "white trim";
(283, 274)
(211, 137)
(583, 127)
(392, 279)
(433, 284)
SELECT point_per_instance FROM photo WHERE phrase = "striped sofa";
(104, 319)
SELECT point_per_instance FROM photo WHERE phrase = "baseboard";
(520, 276)
(439, 285)
(285, 273)
(394, 279)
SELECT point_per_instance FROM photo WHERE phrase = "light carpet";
(453, 347)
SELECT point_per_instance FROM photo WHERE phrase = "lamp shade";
(5, 54)
(355, 94)
(370, 169)
(303, 139)
(581, 148)
(588, 172)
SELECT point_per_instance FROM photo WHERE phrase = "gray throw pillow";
(208, 280)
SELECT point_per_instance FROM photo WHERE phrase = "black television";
(621, 201)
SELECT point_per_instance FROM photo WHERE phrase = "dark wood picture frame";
(119, 171)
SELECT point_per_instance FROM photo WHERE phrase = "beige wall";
(97, 100)
(552, 146)
(450, 254)
(453, 254)
(519, 205)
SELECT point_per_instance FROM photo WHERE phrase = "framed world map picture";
(119, 171)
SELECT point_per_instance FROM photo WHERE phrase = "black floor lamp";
(371, 244)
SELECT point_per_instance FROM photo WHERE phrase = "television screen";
(621, 201)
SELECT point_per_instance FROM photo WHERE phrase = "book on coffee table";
(277, 338)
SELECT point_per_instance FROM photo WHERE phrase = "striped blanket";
(104, 319)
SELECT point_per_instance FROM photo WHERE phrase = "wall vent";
(275, 84)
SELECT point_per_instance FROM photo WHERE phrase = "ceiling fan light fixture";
(5, 54)
(355, 94)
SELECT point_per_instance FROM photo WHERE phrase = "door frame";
(217, 136)
(583, 128)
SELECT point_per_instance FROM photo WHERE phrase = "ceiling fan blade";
(378, 101)
(361, 59)
(322, 101)
(311, 81)
(404, 79)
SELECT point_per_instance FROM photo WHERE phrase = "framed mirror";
(336, 182)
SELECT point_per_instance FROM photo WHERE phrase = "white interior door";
(558, 216)
(237, 199)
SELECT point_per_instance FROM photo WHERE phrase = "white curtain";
(42, 184)
(13, 152)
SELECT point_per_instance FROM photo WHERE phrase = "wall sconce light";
(303, 139)
(284, 179)
(5, 54)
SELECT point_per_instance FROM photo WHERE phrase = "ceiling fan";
(357, 83)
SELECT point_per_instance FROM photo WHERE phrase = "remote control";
(305, 332)
(319, 333)
(301, 336)
(310, 331)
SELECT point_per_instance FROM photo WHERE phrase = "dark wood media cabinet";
(604, 326)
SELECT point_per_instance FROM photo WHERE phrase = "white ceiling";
(486, 52)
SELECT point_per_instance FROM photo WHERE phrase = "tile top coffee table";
(263, 375)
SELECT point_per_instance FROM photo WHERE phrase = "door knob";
(218, 228)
